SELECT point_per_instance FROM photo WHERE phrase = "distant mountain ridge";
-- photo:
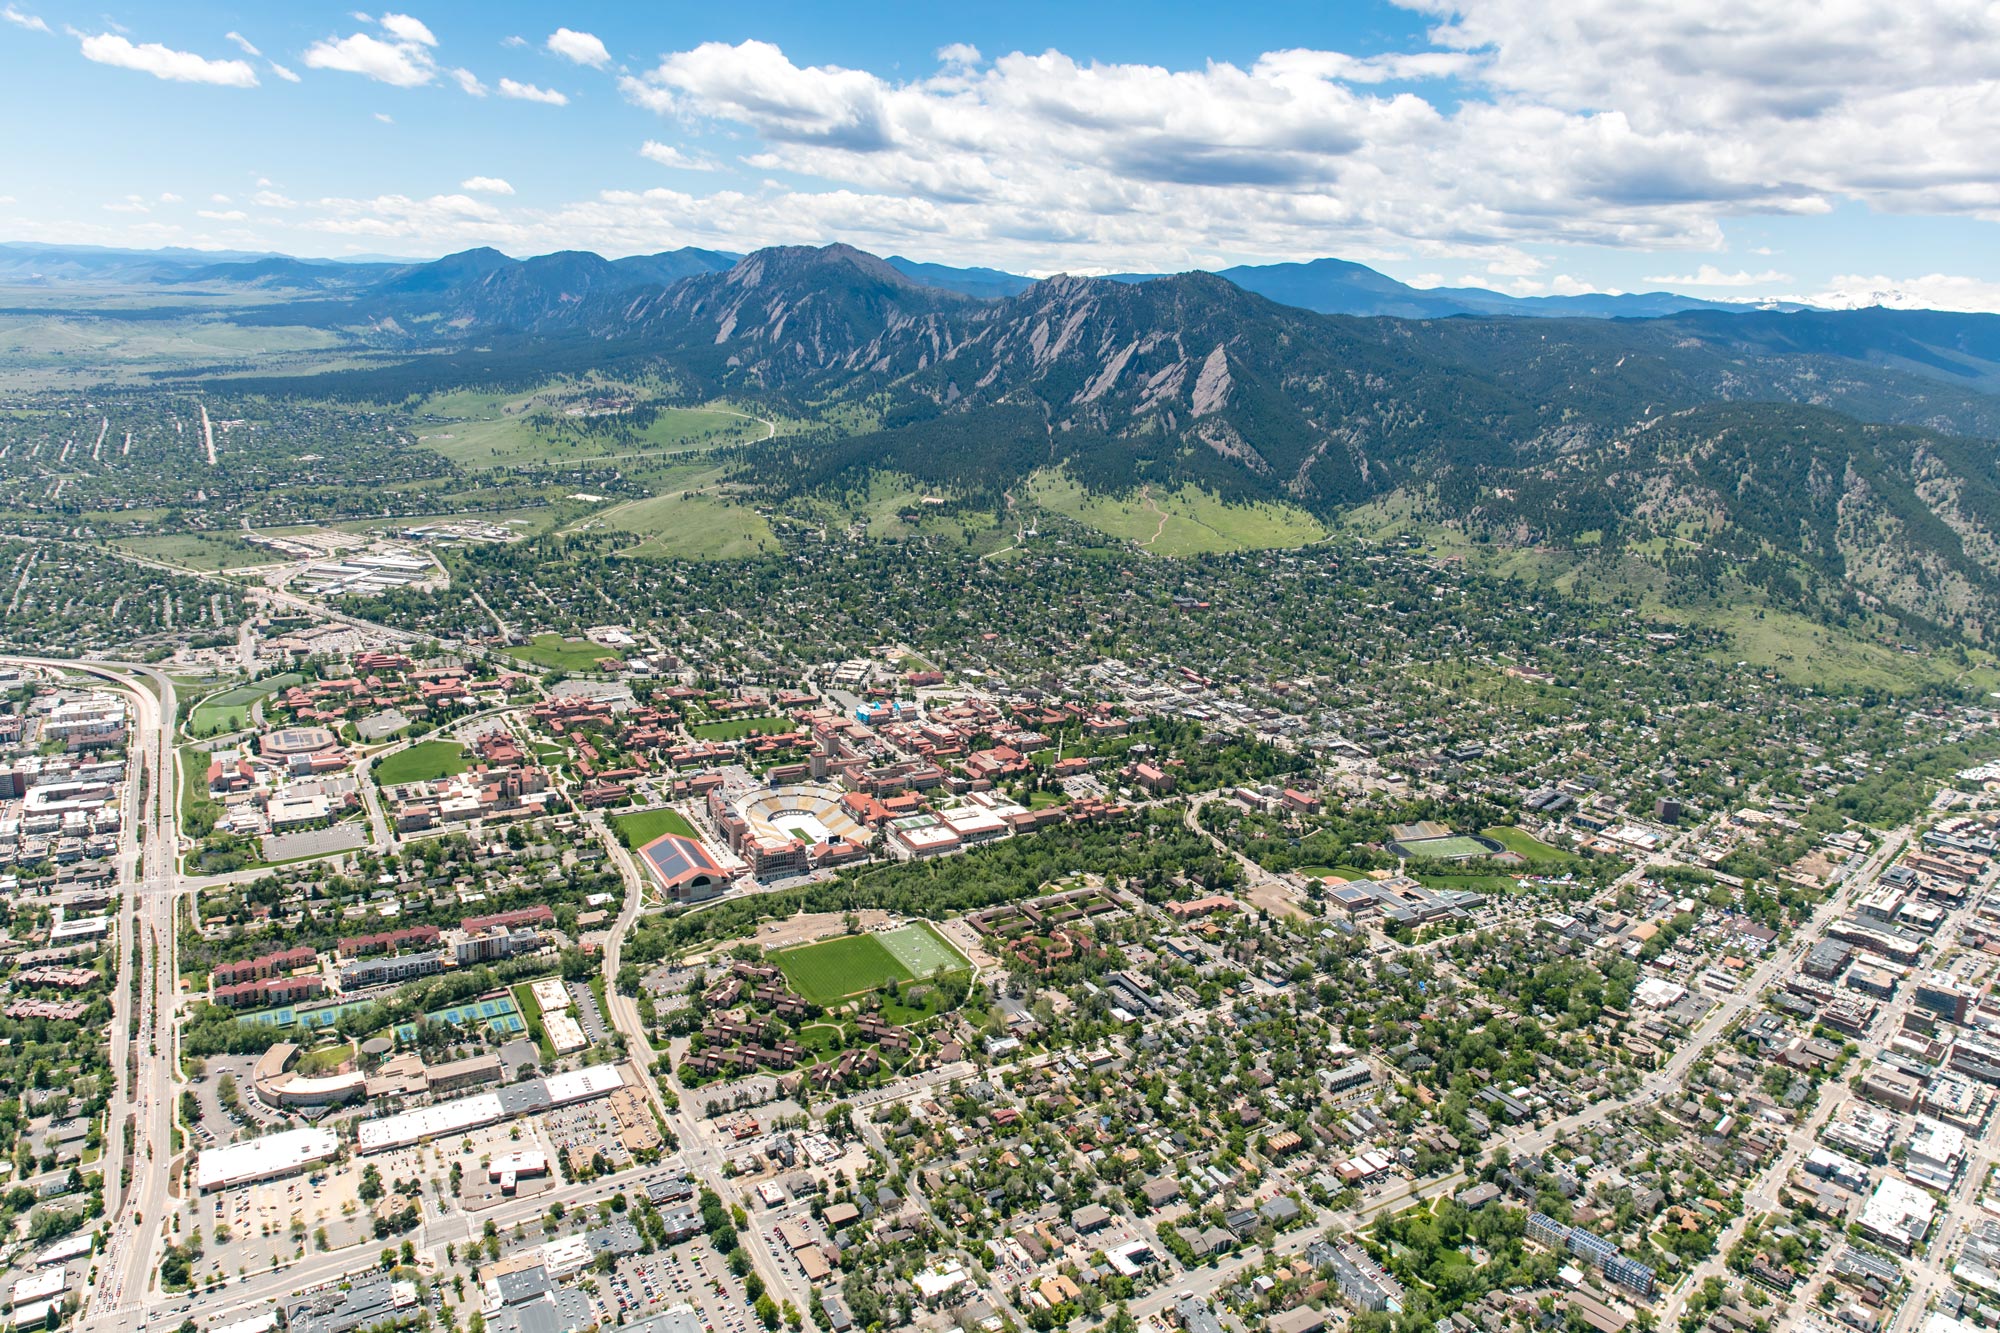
(1329, 286)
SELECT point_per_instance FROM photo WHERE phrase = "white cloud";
(385, 118)
(219, 199)
(1634, 124)
(131, 203)
(486, 185)
(31, 22)
(514, 41)
(528, 92)
(402, 60)
(283, 73)
(468, 82)
(406, 29)
(6, 199)
(1708, 275)
(272, 199)
(242, 43)
(669, 156)
(170, 198)
(581, 47)
(1932, 291)
(958, 53)
(108, 48)
(230, 215)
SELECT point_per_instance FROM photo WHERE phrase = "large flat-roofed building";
(684, 868)
(263, 1158)
(487, 1108)
(1897, 1215)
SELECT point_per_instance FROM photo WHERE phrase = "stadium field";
(834, 970)
(922, 950)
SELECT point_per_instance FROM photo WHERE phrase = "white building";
(263, 1158)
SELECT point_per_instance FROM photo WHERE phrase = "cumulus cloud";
(468, 82)
(528, 92)
(486, 185)
(228, 215)
(163, 62)
(581, 47)
(1708, 275)
(669, 156)
(406, 29)
(1641, 124)
(1931, 291)
(242, 43)
(283, 73)
(401, 57)
(32, 22)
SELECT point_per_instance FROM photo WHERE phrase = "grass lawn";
(638, 829)
(1321, 872)
(1042, 800)
(736, 728)
(560, 654)
(230, 710)
(834, 970)
(531, 1014)
(422, 762)
(1525, 845)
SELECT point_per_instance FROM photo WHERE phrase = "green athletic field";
(830, 971)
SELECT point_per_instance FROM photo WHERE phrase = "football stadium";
(804, 813)
(1428, 838)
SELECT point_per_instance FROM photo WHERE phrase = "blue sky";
(1735, 148)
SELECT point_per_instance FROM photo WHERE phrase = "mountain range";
(1330, 286)
(1837, 463)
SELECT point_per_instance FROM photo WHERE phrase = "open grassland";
(688, 525)
(1177, 523)
(479, 430)
(560, 654)
(198, 550)
(422, 762)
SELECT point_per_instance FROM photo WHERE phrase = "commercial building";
(487, 1108)
(264, 1158)
(1897, 1215)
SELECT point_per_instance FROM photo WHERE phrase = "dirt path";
(1146, 494)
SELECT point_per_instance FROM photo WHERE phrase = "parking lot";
(585, 1131)
(279, 1219)
(689, 1273)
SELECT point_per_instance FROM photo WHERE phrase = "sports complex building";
(687, 872)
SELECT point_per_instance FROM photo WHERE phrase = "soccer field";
(833, 970)
(838, 969)
(922, 951)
